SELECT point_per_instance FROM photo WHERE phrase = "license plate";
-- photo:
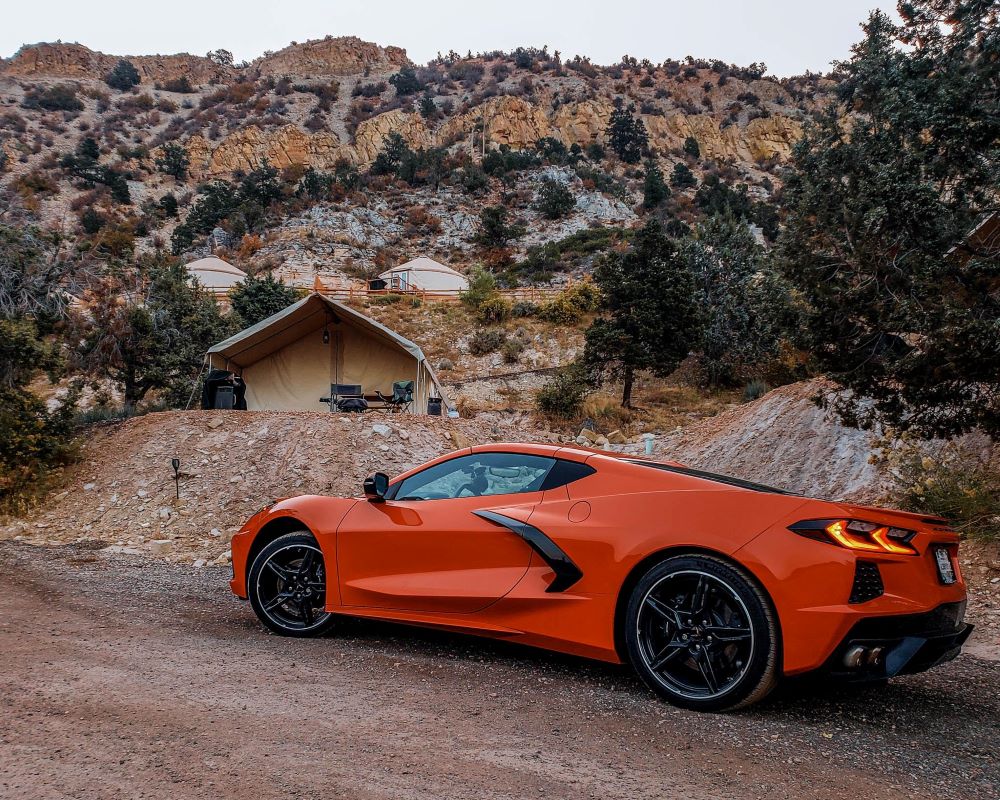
(945, 569)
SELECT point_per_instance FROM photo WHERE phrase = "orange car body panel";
(435, 563)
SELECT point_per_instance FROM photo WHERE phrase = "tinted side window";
(566, 472)
(477, 475)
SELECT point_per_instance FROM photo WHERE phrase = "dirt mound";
(786, 440)
(122, 491)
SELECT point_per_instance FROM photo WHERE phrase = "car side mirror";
(376, 486)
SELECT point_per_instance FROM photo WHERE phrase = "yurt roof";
(423, 264)
(212, 271)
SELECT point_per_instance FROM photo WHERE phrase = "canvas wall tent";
(424, 274)
(217, 276)
(287, 366)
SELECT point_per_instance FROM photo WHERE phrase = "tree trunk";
(627, 390)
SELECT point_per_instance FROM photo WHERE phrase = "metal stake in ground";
(176, 464)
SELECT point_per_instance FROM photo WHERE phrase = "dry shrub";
(957, 480)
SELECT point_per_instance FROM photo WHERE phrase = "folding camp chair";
(401, 398)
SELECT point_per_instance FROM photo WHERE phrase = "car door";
(425, 549)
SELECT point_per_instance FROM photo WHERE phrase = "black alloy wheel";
(287, 586)
(702, 635)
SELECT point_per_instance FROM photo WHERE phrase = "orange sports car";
(713, 588)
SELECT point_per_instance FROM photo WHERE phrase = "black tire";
(287, 586)
(702, 634)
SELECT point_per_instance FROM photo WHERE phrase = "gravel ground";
(126, 677)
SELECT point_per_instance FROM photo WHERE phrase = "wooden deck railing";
(531, 294)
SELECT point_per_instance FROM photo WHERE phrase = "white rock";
(165, 513)
(89, 487)
(200, 562)
(381, 430)
(160, 547)
(215, 532)
(142, 493)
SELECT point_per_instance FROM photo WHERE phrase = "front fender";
(318, 514)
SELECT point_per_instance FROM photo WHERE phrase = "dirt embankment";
(122, 491)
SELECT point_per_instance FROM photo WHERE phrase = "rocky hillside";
(333, 104)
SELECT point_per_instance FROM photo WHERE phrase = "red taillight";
(855, 534)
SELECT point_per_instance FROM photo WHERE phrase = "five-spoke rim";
(694, 634)
(291, 587)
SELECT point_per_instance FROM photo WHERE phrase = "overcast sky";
(790, 36)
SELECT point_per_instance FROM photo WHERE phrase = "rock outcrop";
(76, 61)
(333, 56)
(507, 120)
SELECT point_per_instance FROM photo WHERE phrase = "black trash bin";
(434, 406)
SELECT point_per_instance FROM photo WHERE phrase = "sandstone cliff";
(344, 55)
(76, 61)
(507, 120)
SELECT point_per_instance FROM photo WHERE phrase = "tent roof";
(423, 264)
(214, 272)
(292, 323)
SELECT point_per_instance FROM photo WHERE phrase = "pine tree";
(406, 82)
(682, 177)
(745, 304)
(626, 133)
(494, 230)
(256, 299)
(173, 161)
(123, 77)
(649, 319)
(554, 200)
(903, 303)
(654, 188)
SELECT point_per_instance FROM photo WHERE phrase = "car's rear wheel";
(287, 586)
(702, 635)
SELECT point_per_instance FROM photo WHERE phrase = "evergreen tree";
(394, 151)
(745, 305)
(173, 161)
(682, 177)
(554, 200)
(427, 108)
(406, 82)
(691, 147)
(626, 133)
(494, 230)
(123, 77)
(649, 319)
(33, 438)
(256, 299)
(169, 204)
(654, 188)
(903, 303)
(148, 329)
(88, 150)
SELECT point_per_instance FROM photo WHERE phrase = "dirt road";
(126, 678)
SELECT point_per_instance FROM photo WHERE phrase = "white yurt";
(424, 274)
(215, 275)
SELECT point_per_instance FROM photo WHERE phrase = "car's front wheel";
(702, 635)
(287, 586)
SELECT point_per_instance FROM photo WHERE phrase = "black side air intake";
(867, 583)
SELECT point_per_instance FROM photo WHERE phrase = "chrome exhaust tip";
(855, 657)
